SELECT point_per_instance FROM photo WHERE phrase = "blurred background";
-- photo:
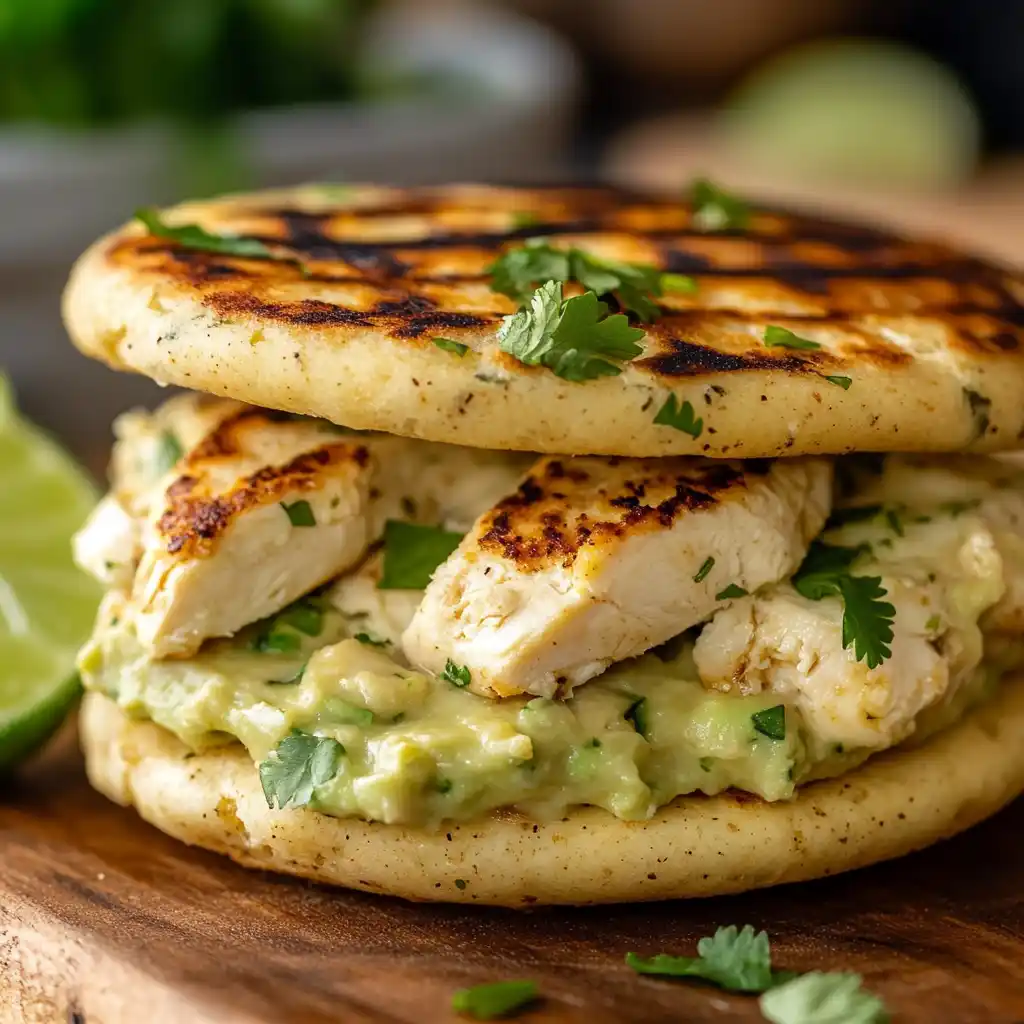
(910, 112)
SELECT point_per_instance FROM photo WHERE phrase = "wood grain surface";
(103, 920)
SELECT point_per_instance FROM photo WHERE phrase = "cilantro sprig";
(297, 767)
(518, 272)
(782, 337)
(497, 999)
(192, 236)
(867, 619)
(680, 416)
(575, 338)
(714, 209)
(820, 998)
(412, 552)
(739, 960)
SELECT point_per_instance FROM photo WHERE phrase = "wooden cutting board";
(104, 920)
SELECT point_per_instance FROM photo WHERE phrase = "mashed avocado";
(415, 749)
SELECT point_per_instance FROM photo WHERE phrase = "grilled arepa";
(377, 311)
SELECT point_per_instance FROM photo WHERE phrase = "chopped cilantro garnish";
(736, 960)
(349, 714)
(412, 552)
(771, 722)
(457, 675)
(297, 678)
(730, 592)
(840, 382)
(298, 765)
(168, 453)
(306, 615)
(498, 999)
(706, 566)
(867, 619)
(853, 514)
(780, 337)
(576, 338)
(276, 641)
(592, 744)
(892, 517)
(370, 640)
(299, 513)
(717, 210)
(636, 714)
(934, 623)
(451, 346)
(706, 764)
(681, 417)
(819, 998)
(519, 271)
(192, 236)
(678, 283)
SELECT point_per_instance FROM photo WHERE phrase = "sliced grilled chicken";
(941, 576)
(989, 488)
(147, 447)
(262, 510)
(594, 560)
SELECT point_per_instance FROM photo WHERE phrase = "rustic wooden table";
(103, 920)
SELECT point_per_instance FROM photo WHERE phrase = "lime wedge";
(46, 604)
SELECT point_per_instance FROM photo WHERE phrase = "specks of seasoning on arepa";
(981, 411)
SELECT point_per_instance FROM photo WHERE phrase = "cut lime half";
(46, 604)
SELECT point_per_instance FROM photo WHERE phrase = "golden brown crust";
(919, 327)
(698, 846)
(198, 511)
(536, 526)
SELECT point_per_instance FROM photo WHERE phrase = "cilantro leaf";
(517, 272)
(457, 675)
(819, 998)
(575, 339)
(299, 764)
(499, 999)
(738, 960)
(770, 722)
(867, 619)
(840, 382)
(715, 209)
(306, 615)
(780, 337)
(706, 566)
(681, 417)
(168, 452)
(192, 236)
(300, 513)
(447, 345)
(981, 411)
(730, 592)
(370, 640)
(678, 283)
(412, 552)
(636, 715)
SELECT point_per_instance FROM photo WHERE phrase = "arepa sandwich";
(554, 545)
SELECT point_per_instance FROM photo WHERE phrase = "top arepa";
(762, 333)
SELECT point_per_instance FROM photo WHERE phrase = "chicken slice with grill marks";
(147, 447)
(594, 560)
(265, 508)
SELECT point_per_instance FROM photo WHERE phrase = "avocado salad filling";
(769, 627)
